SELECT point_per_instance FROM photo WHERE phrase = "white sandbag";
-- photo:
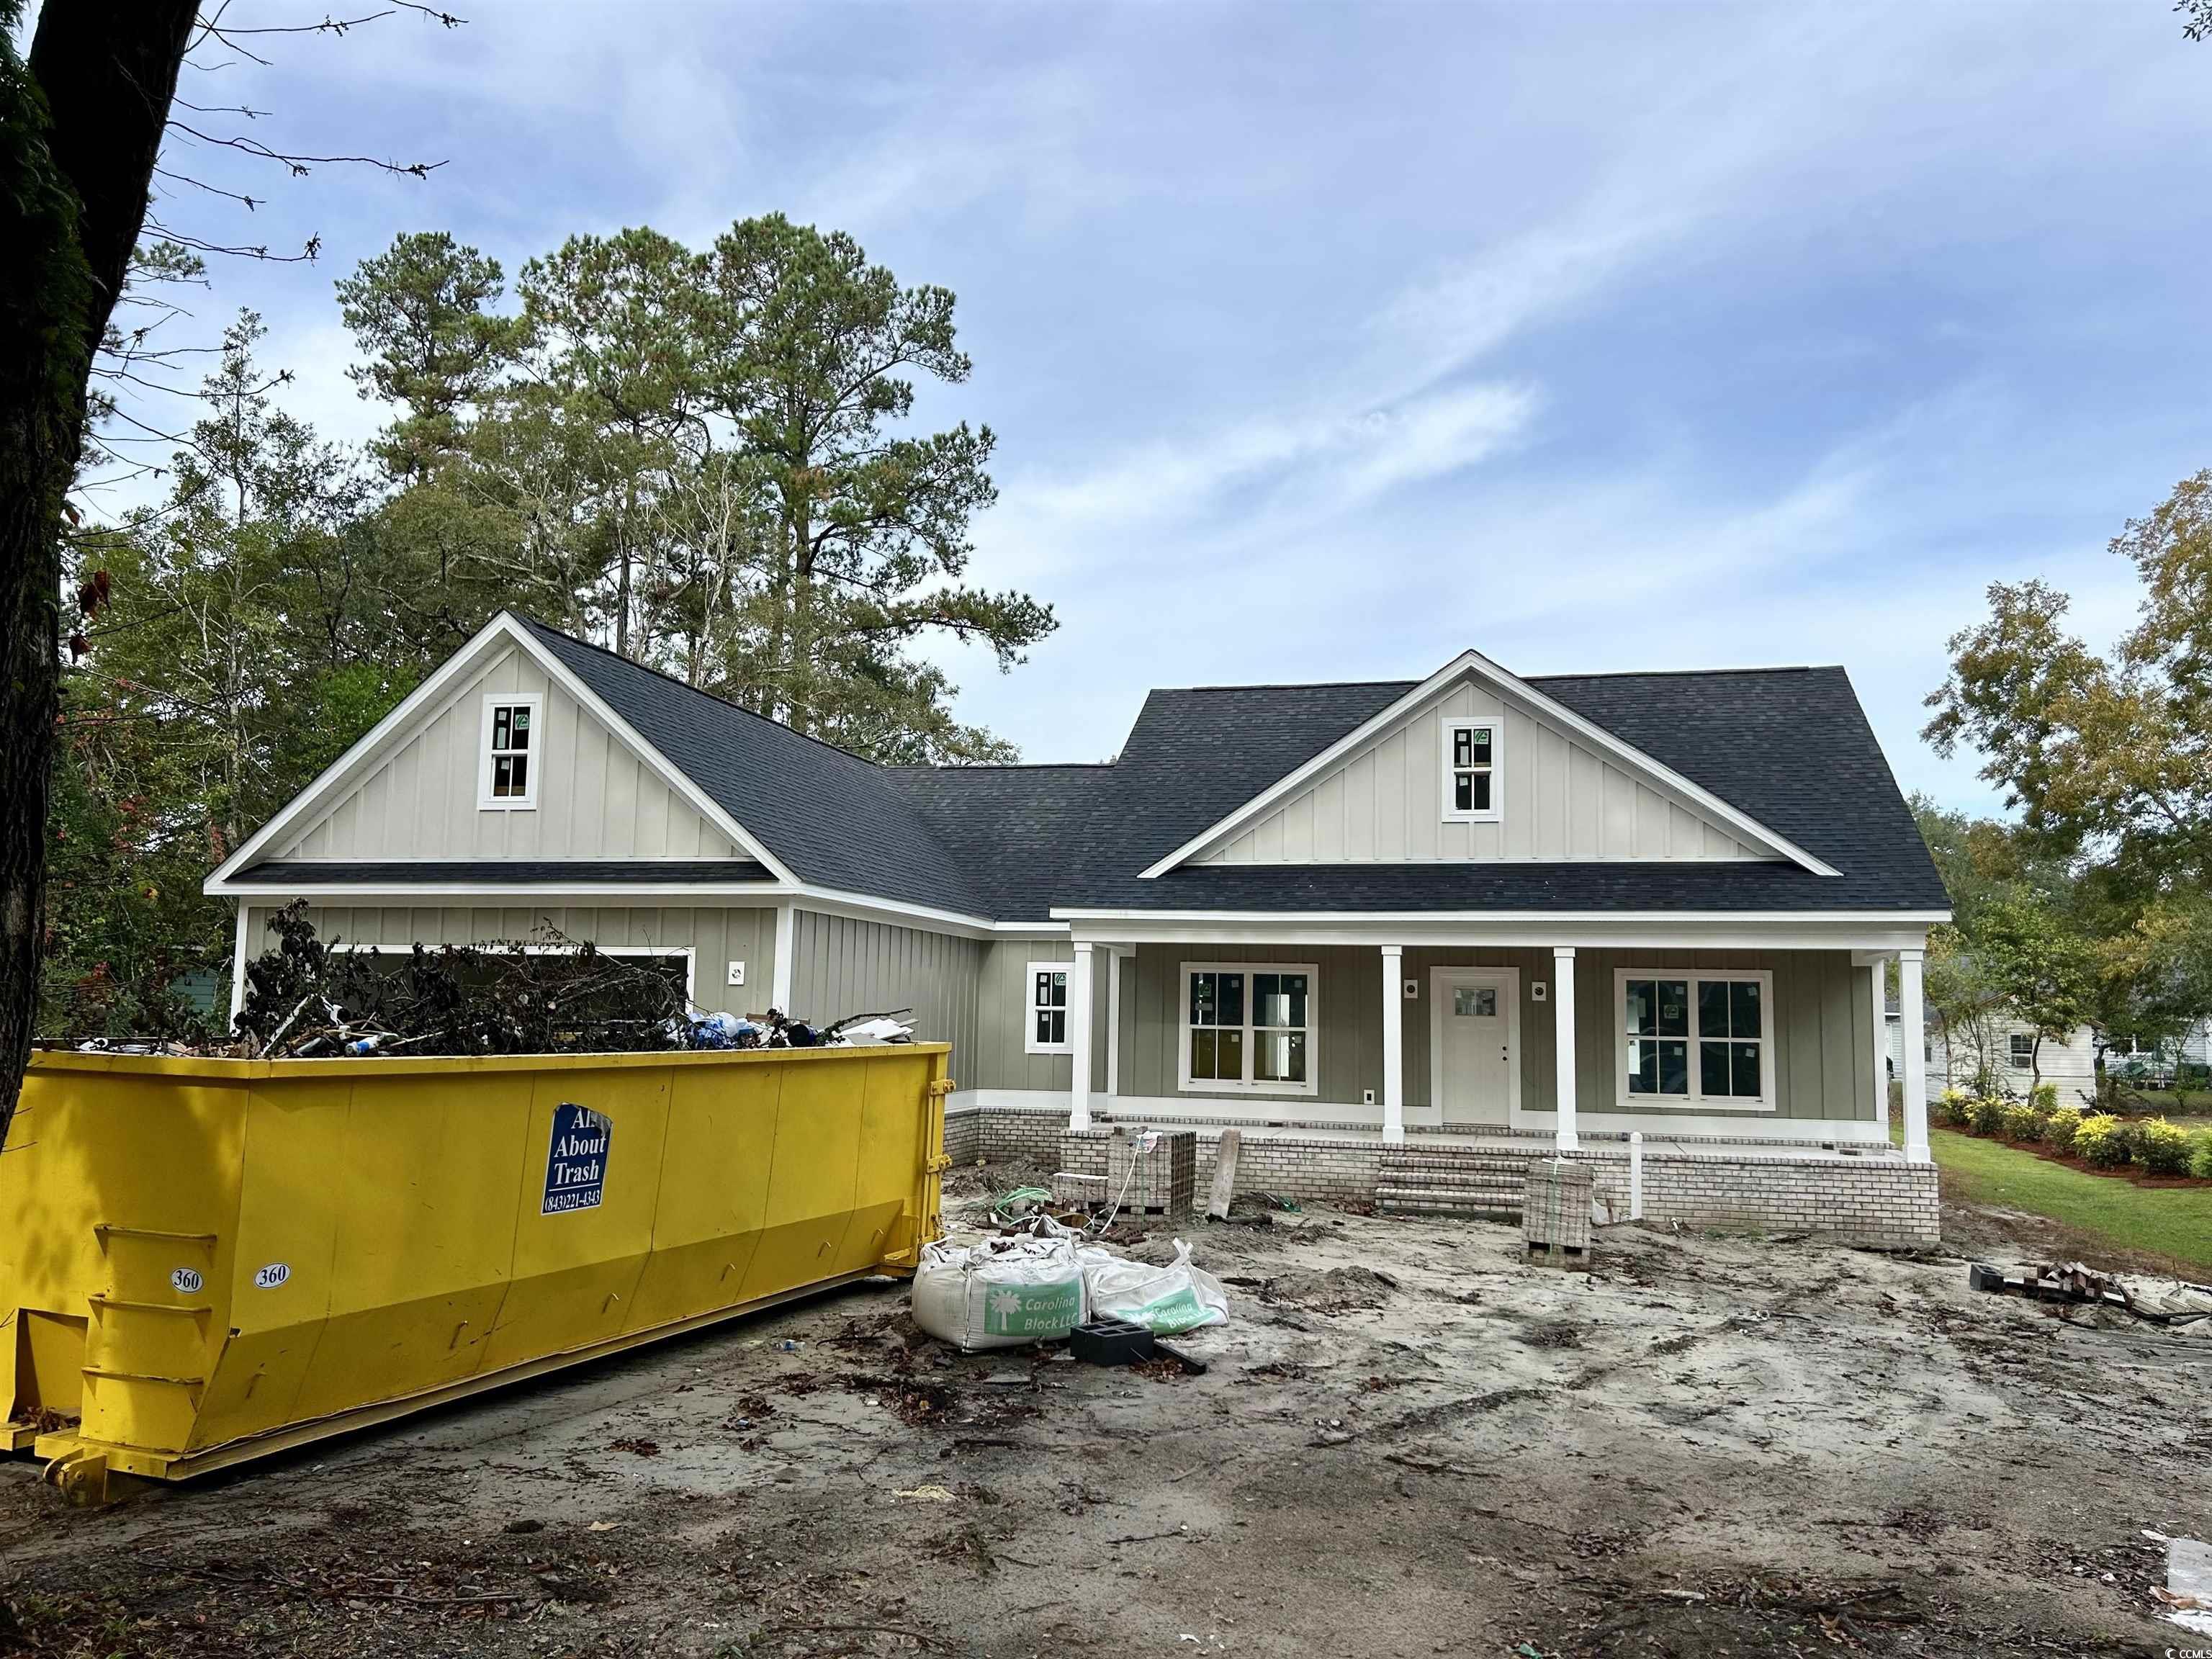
(1164, 1300)
(1000, 1293)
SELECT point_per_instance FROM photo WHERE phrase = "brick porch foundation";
(1875, 1198)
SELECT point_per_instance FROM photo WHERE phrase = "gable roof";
(1471, 666)
(838, 821)
(1788, 748)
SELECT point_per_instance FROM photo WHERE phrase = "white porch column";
(1878, 973)
(1563, 1041)
(1078, 1037)
(1916, 1057)
(1115, 954)
(1394, 1045)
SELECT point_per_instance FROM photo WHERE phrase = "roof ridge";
(1684, 673)
(1002, 766)
(1532, 679)
(527, 620)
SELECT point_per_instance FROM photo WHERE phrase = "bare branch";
(301, 165)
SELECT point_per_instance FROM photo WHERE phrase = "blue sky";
(1323, 341)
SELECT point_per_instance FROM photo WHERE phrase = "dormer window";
(1470, 774)
(512, 740)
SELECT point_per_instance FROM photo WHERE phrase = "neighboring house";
(2069, 1064)
(1366, 923)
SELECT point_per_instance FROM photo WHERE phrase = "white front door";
(1475, 1043)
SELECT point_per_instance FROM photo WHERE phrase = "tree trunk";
(68, 218)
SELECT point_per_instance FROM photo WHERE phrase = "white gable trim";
(452, 680)
(1473, 664)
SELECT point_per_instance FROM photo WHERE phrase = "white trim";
(1031, 1007)
(1473, 663)
(1526, 930)
(1115, 957)
(532, 752)
(1409, 918)
(1394, 1044)
(762, 894)
(238, 964)
(1766, 1102)
(1308, 1088)
(1079, 999)
(1448, 729)
(835, 901)
(786, 948)
(1508, 982)
(1878, 975)
(1602, 1128)
(1913, 1019)
(1566, 1131)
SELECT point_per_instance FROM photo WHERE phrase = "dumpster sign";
(576, 1159)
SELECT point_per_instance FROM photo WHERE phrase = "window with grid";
(2023, 1049)
(1470, 769)
(1047, 1009)
(1694, 1038)
(510, 730)
(1249, 1028)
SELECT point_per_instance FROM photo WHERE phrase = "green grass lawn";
(2196, 1103)
(2172, 1221)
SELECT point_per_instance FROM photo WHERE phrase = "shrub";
(1987, 1113)
(2023, 1122)
(1955, 1104)
(2045, 1099)
(2165, 1148)
(2200, 1155)
(2060, 1127)
(2102, 1139)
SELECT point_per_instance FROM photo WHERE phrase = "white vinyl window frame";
(1248, 1085)
(2021, 1050)
(1616, 1023)
(1045, 981)
(532, 752)
(1450, 732)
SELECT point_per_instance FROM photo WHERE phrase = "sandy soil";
(1409, 1442)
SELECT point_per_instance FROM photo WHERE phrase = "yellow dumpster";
(205, 1261)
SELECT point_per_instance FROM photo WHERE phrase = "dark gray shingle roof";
(1791, 748)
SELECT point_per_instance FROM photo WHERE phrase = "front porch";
(1716, 1074)
(1732, 1034)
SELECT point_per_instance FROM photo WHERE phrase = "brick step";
(1453, 1197)
(1513, 1175)
(1454, 1180)
(1414, 1200)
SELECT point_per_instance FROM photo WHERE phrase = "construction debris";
(2176, 1304)
(1555, 1212)
(1225, 1155)
(308, 997)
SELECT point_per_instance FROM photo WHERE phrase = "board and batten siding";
(1822, 1022)
(1002, 1060)
(595, 799)
(716, 936)
(842, 967)
(1558, 800)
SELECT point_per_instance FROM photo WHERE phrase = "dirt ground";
(1409, 1441)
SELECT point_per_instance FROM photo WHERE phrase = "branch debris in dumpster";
(309, 999)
